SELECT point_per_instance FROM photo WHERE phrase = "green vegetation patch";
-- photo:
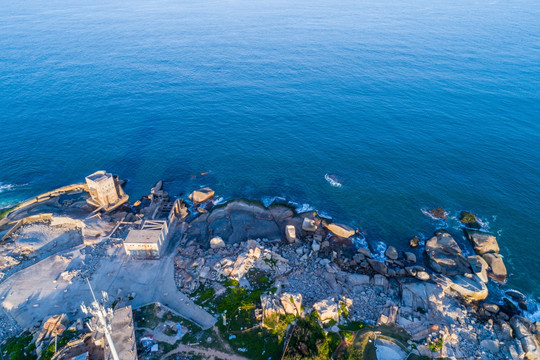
(309, 341)
(6, 211)
(147, 316)
(66, 337)
(20, 347)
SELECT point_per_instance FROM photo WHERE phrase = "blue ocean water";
(411, 104)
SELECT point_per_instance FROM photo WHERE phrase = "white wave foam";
(7, 187)
(324, 215)
(267, 200)
(219, 200)
(303, 208)
(333, 180)
(360, 242)
(378, 253)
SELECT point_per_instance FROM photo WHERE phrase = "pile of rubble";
(442, 302)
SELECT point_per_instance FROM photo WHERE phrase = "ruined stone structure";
(149, 241)
(105, 190)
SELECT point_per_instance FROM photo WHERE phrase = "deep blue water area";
(411, 105)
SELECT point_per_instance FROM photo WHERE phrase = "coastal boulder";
(482, 242)
(498, 270)
(410, 257)
(340, 230)
(201, 195)
(470, 287)
(292, 303)
(391, 253)
(479, 267)
(378, 266)
(309, 225)
(445, 256)
(522, 332)
(357, 280)
(290, 233)
(331, 308)
(439, 213)
(469, 220)
(217, 243)
(364, 252)
(414, 242)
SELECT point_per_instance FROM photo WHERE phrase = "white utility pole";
(104, 317)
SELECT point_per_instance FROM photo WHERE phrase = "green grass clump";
(146, 316)
(21, 347)
(231, 282)
(6, 211)
(66, 337)
(436, 345)
(309, 341)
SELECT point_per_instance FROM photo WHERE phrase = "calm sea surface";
(412, 104)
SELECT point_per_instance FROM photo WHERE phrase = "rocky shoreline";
(445, 299)
(279, 269)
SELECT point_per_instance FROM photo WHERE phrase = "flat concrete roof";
(98, 176)
(143, 236)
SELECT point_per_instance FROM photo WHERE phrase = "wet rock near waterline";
(445, 256)
(482, 242)
(469, 219)
(439, 213)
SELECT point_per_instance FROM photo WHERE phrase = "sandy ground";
(39, 290)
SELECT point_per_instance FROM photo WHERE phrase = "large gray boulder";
(391, 253)
(482, 242)
(498, 270)
(292, 303)
(470, 287)
(201, 195)
(217, 243)
(378, 266)
(445, 256)
(340, 230)
(238, 221)
(357, 280)
(479, 267)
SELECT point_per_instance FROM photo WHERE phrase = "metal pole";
(102, 317)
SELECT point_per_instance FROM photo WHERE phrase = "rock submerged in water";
(469, 219)
(414, 242)
(438, 213)
(201, 195)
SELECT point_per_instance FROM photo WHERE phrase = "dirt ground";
(41, 290)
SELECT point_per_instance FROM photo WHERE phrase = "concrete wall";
(46, 217)
(44, 197)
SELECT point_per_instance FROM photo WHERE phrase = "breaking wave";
(333, 180)
(302, 208)
(6, 187)
(9, 187)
